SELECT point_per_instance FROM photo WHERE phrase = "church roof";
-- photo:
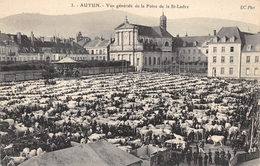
(143, 30)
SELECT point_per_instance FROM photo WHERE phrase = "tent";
(95, 153)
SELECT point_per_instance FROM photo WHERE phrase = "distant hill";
(103, 23)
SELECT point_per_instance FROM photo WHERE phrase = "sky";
(239, 10)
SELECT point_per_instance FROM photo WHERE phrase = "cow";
(216, 139)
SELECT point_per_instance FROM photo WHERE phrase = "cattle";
(216, 139)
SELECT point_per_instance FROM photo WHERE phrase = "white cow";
(216, 139)
(39, 151)
(32, 153)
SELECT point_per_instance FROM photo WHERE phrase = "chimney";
(0, 32)
(19, 38)
(214, 32)
(178, 35)
(186, 34)
(32, 38)
(42, 38)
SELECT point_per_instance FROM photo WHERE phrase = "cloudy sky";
(239, 10)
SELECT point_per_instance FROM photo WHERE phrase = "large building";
(192, 53)
(98, 49)
(233, 53)
(147, 48)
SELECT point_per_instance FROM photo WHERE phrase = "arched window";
(166, 44)
(145, 61)
(146, 41)
(141, 40)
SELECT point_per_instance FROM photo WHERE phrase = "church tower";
(163, 21)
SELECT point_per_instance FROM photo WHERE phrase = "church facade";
(146, 48)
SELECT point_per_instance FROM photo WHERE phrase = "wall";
(226, 65)
(20, 75)
(252, 65)
(243, 157)
(105, 70)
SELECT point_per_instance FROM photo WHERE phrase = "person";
(206, 159)
(195, 157)
(188, 156)
(216, 157)
(234, 151)
(210, 157)
(200, 160)
(228, 155)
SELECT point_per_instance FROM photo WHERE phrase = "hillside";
(97, 23)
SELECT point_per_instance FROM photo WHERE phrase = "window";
(214, 59)
(223, 39)
(231, 60)
(100, 51)
(214, 49)
(137, 62)
(159, 61)
(92, 58)
(215, 40)
(256, 59)
(247, 59)
(184, 51)
(172, 59)
(166, 44)
(248, 48)
(96, 51)
(222, 59)
(207, 51)
(232, 39)
(92, 52)
(188, 58)
(256, 71)
(194, 59)
(206, 58)
(189, 51)
(154, 60)
(231, 71)
(199, 58)
(247, 71)
(145, 61)
(222, 70)
(194, 51)
(222, 49)
(199, 51)
(231, 49)
(118, 57)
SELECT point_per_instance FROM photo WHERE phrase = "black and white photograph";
(129, 83)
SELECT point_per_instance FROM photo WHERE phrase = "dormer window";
(215, 39)
(166, 44)
(195, 43)
(257, 48)
(184, 44)
(248, 48)
(232, 39)
(223, 39)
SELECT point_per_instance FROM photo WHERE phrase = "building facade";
(192, 53)
(98, 49)
(145, 47)
(233, 53)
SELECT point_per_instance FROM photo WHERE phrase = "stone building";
(145, 47)
(233, 53)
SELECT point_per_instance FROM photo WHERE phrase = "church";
(146, 48)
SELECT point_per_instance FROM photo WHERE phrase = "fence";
(21, 75)
(38, 74)
(243, 157)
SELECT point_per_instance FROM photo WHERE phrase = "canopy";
(96, 153)
(66, 60)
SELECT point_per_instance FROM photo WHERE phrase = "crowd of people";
(133, 109)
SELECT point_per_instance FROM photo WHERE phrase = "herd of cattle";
(129, 110)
